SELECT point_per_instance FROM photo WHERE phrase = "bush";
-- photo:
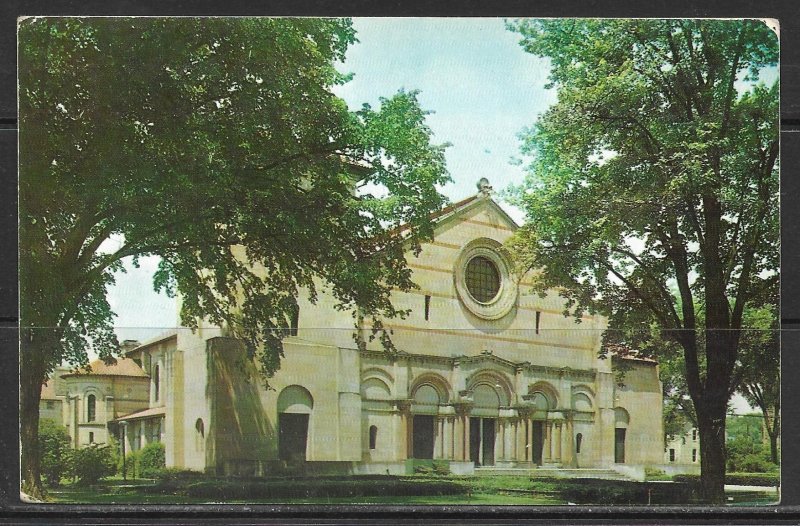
(55, 452)
(93, 462)
(152, 460)
(599, 491)
(738, 479)
(288, 489)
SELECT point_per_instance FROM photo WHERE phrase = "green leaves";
(217, 145)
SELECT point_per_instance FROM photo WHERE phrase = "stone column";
(465, 438)
(548, 455)
(437, 437)
(458, 432)
(529, 442)
(447, 438)
(568, 447)
(498, 440)
(558, 440)
(403, 443)
(520, 436)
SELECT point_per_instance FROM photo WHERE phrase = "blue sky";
(482, 88)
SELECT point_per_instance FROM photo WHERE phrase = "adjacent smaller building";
(89, 401)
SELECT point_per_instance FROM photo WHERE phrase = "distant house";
(684, 450)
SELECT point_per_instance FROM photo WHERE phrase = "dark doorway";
(619, 445)
(538, 441)
(481, 441)
(423, 436)
(488, 441)
(475, 440)
(292, 436)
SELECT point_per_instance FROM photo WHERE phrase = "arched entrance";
(294, 410)
(483, 424)
(426, 406)
(621, 421)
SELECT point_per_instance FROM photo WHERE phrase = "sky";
(480, 86)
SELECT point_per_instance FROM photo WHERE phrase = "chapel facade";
(489, 374)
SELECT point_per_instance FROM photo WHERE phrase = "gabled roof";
(119, 367)
(459, 207)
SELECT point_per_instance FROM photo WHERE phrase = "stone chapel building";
(489, 375)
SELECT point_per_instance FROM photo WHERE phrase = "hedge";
(600, 491)
(222, 490)
(738, 479)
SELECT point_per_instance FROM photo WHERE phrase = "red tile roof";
(120, 367)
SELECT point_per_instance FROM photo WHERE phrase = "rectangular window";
(91, 437)
(694, 435)
(538, 319)
(295, 321)
(672, 455)
(694, 455)
(427, 307)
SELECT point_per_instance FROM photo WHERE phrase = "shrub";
(55, 452)
(739, 479)
(93, 462)
(152, 460)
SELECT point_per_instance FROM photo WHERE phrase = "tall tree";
(657, 167)
(186, 137)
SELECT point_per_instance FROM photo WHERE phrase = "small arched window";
(156, 382)
(200, 427)
(373, 436)
(199, 437)
(90, 408)
(578, 440)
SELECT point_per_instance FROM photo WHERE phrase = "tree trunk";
(774, 433)
(35, 347)
(711, 425)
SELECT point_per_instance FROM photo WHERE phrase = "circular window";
(483, 279)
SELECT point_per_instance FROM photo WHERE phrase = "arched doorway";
(426, 406)
(621, 421)
(483, 424)
(294, 410)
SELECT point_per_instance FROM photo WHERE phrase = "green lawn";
(503, 490)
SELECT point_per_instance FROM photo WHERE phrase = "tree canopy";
(185, 137)
(656, 171)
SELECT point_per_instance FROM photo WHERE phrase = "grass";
(500, 490)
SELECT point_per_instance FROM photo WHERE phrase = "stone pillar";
(404, 430)
(465, 438)
(520, 436)
(498, 440)
(458, 442)
(568, 447)
(529, 442)
(437, 437)
(548, 455)
(447, 438)
(558, 440)
(509, 440)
